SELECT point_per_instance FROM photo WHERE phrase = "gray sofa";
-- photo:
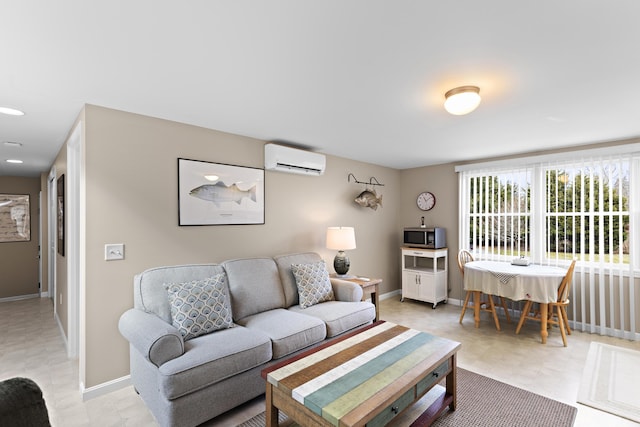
(187, 382)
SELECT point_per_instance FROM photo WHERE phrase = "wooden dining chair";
(464, 257)
(557, 313)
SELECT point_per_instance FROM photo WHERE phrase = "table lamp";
(341, 239)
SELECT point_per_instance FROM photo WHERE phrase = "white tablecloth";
(538, 283)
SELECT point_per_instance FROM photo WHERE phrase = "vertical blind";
(553, 212)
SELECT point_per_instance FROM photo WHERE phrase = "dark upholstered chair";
(22, 404)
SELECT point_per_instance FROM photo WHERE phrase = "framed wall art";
(15, 218)
(219, 194)
(60, 215)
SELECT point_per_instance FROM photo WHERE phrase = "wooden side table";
(369, 287)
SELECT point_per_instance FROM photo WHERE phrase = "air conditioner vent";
(292, 160)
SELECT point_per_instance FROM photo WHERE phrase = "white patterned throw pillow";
(313, 283)
(200, 306)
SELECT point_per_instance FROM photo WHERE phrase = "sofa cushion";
(340, 316)
(288, 331)
(284, 263)
(255, 286)
(312, 280)
(199, 307)
(211, 358)
(149, 293)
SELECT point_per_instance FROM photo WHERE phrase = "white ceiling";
(362, 79)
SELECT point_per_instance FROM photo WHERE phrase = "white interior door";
(51, 235)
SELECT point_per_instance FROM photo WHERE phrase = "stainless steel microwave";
(430, 238)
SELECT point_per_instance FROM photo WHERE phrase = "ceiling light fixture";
(14, 161)
(462, 100)
(11, 111)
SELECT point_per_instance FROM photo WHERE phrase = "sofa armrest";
(156, 340)
(344, 290)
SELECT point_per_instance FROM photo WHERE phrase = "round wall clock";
(426, 201)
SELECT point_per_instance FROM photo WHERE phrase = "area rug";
(483, 402)
(610, 380)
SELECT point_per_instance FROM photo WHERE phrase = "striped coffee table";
(365, 378)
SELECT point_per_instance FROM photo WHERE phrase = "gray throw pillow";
(200, 306)
(313, 283)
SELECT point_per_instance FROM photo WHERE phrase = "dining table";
(534, 282)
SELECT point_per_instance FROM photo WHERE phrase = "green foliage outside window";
(586, 212)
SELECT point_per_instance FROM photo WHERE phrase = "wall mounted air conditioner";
(292, 160)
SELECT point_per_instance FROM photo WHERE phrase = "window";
(550, 212)
(498, 210)
(587, 210)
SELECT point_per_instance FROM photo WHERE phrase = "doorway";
(51, 235)
(73, 257)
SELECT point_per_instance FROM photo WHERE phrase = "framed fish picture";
(219, 194)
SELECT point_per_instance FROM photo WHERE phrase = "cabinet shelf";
(424, 270)
(424, 274)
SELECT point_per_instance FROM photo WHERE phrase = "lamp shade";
(341, 238)
(462, 100)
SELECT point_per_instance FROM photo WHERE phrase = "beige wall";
(442, 181)
(131, 198)
(20, 259)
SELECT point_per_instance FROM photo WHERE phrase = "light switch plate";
(113, 251)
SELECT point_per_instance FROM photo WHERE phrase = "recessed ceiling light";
(212, 177)
(12, 144)
(14, 161)
(11, 111)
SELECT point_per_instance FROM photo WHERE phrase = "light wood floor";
(32, 346)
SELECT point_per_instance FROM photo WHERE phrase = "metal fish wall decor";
(369, 199)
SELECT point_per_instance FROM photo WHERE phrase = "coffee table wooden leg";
(271, 414)
(544, 312)
(476, 307)
(447, 398)
(451, 382)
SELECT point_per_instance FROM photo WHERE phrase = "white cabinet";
(424, 274)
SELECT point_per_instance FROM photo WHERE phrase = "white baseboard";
(19, 297)
(44, 294)
(579, 326)
(390, 294)
(453, 301)
(62, 334)
(104, 388)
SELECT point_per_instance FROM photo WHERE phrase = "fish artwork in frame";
(219, 194)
